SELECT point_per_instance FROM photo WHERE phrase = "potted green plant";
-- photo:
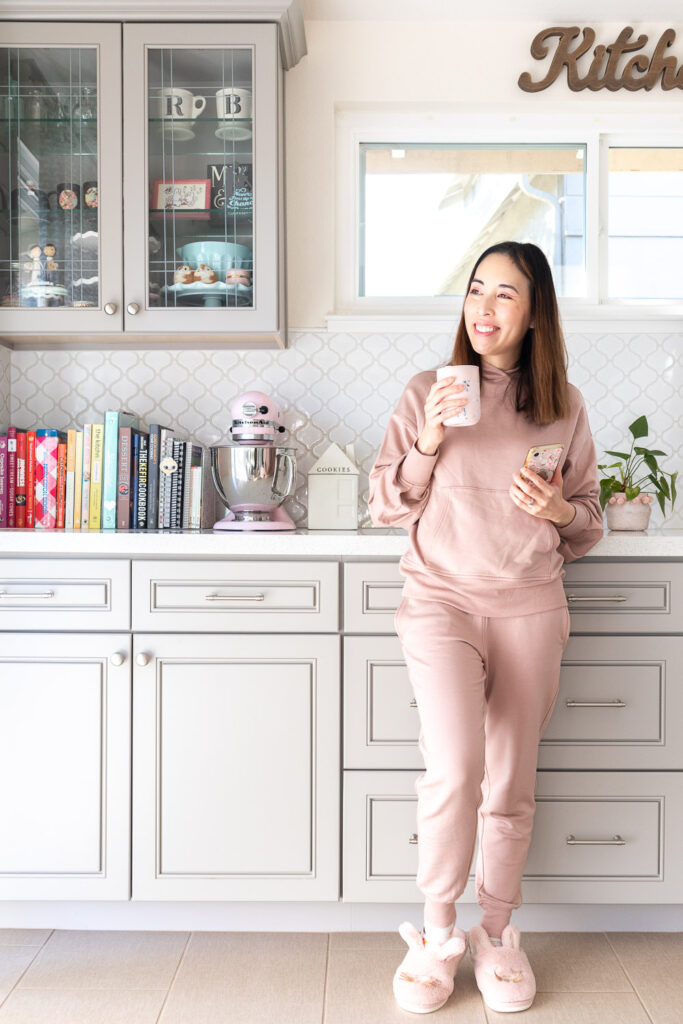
(628, 507)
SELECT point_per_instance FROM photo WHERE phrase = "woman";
(483, 620)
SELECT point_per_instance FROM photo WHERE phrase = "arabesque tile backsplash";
(334, 387)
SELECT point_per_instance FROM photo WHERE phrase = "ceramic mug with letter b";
(233, 105)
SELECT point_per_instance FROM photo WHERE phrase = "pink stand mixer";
(253, 475)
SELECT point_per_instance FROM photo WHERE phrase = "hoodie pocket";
(471, 531)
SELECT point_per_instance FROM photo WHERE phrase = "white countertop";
(372, 543)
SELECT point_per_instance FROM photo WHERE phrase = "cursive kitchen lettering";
(639, 72)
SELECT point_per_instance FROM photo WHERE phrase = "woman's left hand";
(548, 502)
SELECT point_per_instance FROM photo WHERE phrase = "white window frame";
(596, 130)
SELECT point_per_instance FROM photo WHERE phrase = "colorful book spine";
(165, 471)
(124, 498)
(3, 482)
(114, 419)
(47, 442)
(78, 479)
(142, 482)
(70, 481)
(97, 451)
(195, 520)
(193, 457)
(176, 480)
(20, 514)
(30, 479)
(11, 476)
(134, 480)
(61, 485)
(85, 497)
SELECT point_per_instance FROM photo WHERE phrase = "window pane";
(427, 212)
(645, 223)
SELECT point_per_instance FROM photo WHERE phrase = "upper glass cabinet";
(200, 166)
(54, 269)
(147, 203)
(203, 238)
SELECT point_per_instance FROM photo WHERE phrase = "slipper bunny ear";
(411, 935)
(479, 940)
(452, 947)
(510, 936)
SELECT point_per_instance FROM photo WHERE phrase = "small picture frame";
(184, 197)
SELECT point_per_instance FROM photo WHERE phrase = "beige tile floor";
(88, 977)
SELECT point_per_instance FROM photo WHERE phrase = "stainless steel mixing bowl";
(253, 479)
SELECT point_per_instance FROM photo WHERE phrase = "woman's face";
(498, 310)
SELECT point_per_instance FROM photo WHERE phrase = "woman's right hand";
(442, 402)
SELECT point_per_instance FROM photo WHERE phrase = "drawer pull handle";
(614, 841)
(117, 658)
(616, 703)
(234, 597)
(142, 659)
(608, 597)
(16, 597)
(413, 703)
(413, 837)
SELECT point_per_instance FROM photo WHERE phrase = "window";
(421, 194)
(427, 212)
(645, 218)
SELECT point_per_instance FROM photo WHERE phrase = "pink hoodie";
(469, 543)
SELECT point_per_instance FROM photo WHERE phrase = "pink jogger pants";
(485, 690)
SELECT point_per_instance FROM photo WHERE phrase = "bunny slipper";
(424, 980)
(503, 973)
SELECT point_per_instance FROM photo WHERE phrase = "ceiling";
(546, 12)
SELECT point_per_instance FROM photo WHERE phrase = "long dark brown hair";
(542, 391)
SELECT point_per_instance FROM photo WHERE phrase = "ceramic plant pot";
(627, 515)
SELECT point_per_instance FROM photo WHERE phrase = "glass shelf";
(56, 215)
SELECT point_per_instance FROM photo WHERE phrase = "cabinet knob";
(110, 308)
(117, 658)
(132, 308)
(142, 659)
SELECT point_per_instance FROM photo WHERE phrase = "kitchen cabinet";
(236, 767)
(65, 766)
(141, 168)
(610, 762)
(274, 740)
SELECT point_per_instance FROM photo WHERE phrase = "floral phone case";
(543, 459)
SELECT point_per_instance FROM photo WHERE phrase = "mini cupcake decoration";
(207, 275)
(184, 275)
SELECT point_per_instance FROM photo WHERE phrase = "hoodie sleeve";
(581, 487)
(400, 480)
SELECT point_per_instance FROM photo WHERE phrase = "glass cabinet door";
(54, 274)
(207, 196)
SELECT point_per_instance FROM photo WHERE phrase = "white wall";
(465, 66)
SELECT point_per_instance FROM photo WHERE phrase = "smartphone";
(543, 459)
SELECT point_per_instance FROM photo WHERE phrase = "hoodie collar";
(495, 375)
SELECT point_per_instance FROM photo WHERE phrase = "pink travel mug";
(470, 413)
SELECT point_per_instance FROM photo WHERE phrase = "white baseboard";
(324, 917)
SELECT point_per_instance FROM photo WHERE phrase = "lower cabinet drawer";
(599, 837)
(625, 597)
(236, 596)
(64, 593)
(620, 705)
(603, 597)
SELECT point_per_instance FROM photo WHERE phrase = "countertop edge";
(379, 543)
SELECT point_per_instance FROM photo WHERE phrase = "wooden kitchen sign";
(639, 72)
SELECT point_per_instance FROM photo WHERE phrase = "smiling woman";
(484, 588)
